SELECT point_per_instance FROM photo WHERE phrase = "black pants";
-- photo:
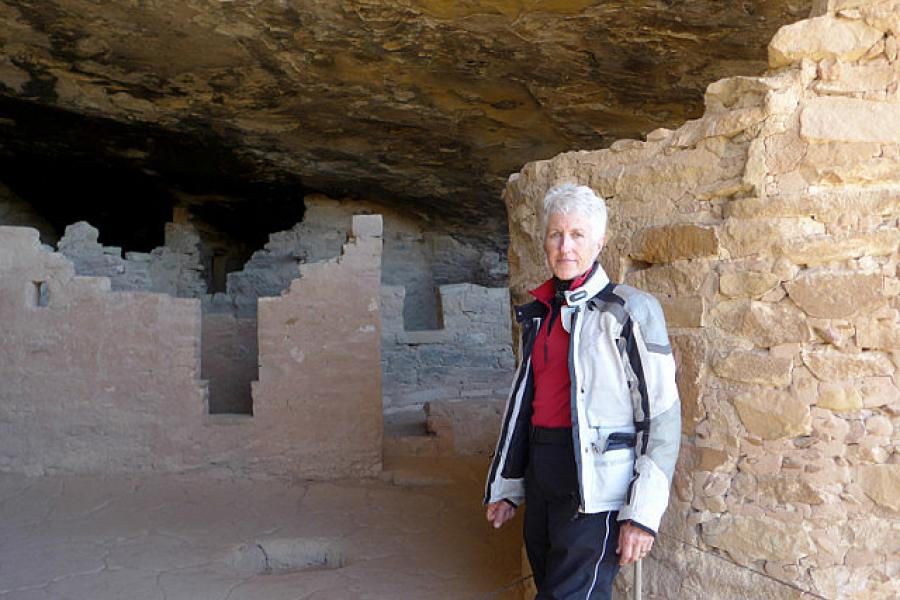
(572, 555)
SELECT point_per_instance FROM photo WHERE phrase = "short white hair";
(568, 198)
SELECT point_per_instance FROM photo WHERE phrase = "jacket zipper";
(576, 431)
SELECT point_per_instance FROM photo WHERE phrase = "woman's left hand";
(634, 544)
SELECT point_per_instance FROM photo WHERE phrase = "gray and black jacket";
(623, 382)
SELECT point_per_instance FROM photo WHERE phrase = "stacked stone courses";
(470, 357)
(173, 268)
(768, 229)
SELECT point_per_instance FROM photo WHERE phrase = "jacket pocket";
(613, 462)
(613, 471)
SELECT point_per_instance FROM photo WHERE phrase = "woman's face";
(571, 245)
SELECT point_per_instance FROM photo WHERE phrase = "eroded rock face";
(424, 100)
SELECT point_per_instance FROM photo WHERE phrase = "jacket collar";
(589, 288)
(545, 292)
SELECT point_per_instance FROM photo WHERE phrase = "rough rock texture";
(777, 216)
(423, 100)
(96, 380)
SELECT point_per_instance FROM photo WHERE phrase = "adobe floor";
(418, 533)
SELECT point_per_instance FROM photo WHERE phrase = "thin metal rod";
(638, 580)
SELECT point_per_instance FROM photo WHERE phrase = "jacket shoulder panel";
(645, 310)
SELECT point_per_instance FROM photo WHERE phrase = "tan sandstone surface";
(768, 229)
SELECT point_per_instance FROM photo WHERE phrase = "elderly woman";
(592, 426)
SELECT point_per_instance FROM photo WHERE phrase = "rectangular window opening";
(41, 294)
(219, 274)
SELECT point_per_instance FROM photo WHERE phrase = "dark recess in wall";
(125, 179)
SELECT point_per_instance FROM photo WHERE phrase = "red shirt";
(550, 365)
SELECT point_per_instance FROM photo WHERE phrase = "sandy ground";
(417, 532)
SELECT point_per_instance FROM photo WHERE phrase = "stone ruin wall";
(318, 398)
(469, 357)
(173, 268)
(228, 341)
(460, 353)
(96, 380)
(769, 231)
(455, 378)
(419, 255)
(430, 352)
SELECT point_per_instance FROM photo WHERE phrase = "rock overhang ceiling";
(423, 102)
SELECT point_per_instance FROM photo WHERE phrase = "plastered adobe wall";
(104, 381)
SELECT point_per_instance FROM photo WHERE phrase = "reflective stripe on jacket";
(623, 381)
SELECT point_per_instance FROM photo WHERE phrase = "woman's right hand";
(499, 513)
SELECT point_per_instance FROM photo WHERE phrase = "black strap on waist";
(563, 435)
(554, 435)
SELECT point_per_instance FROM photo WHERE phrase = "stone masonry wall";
(319, 236)
(467, 353)
(230, 317)
(95, 380)
(418, 255)
(470, 357)
(173, 268)
(769, 231)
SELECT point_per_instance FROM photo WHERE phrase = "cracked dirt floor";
(418, 532)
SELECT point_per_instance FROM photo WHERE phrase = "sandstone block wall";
(96, 380)
(768, 229)
(470, 357)
(418, 371)
(271, 269)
